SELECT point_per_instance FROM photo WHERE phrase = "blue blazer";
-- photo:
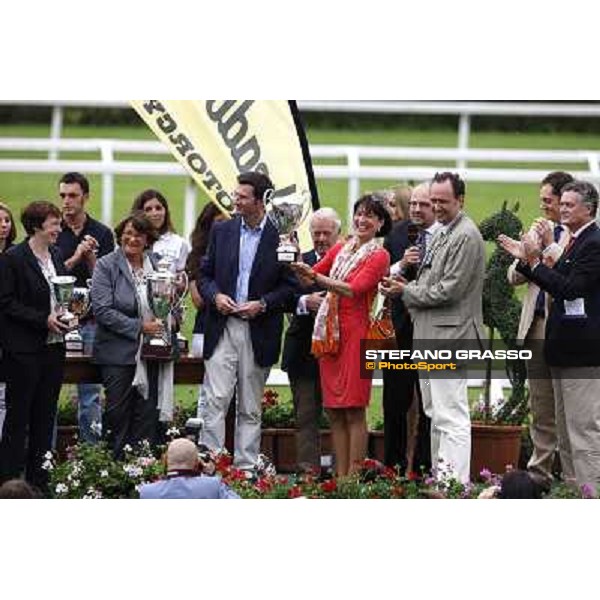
(188, 488)
(572, 340)
(269, 280)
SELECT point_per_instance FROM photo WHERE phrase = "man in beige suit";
(532, 327)
(445, 304)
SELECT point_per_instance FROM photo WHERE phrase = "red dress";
(340, 374)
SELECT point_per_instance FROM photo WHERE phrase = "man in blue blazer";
(571, 347)
(184, 480)
(246, 291)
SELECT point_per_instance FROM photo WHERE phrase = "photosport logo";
(441, 358)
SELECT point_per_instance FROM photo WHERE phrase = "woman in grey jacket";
(120, 307)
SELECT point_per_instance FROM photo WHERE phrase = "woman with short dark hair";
(31, 336)
(123, 316)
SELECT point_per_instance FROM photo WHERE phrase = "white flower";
(76, 483)
(92, 494)
(173, 432)
(61, 488)
(96, 428)
(48, 455)
(104, 473)
(133, 470)
(47, 466)
(127, 448)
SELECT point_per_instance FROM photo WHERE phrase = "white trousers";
(446, 403)
(232, 364)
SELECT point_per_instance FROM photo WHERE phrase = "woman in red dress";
(350, 272)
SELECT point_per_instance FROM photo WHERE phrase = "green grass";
(17, 189)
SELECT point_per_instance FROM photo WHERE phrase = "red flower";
(295, 492)
(262, 485)
(412, 476)
(389, 473)
(369, 463)
(329, 486)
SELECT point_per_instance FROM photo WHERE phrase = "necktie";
(422, 244)
(557, 231)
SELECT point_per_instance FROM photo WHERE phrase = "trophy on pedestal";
(63, 287)
(166, 291)
(287, 213)
(79, 306)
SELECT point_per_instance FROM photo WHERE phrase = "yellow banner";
(215, 140)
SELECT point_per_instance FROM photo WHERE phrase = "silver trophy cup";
(287, 213)
(166, 291)
(63, 287)
(79, 306)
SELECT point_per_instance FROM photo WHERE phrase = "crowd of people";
(416, 247)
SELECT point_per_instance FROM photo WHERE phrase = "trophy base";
(152, 351)
(74, 343)
(183, 345)
(287, 254)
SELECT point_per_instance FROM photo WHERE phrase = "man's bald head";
(182, 454)
(420, 207)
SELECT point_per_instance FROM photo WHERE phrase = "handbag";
(381, 328)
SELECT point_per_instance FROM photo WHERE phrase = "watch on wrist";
(263, 305)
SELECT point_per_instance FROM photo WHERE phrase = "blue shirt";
(249, 240)
(188, 488)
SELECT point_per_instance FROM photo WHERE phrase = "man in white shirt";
(406, 428)
(531, 333)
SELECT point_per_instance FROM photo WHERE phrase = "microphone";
(413, 234)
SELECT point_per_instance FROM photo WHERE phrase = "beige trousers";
(578, 421)
(232, 364)
(541, 405)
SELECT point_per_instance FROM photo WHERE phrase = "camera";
(193, 428)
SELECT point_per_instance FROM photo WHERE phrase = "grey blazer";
(445, 299)
(115, 305)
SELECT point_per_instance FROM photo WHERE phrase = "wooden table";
(80, 369)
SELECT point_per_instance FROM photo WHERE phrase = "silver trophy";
(79, 306)
(166, 291)
(63, 287)
(287, 213)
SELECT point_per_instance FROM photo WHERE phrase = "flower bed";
(90, 472)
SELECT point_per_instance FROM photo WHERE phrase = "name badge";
(575, 308)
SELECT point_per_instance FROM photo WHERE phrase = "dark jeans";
(33, 384)
(128, 418)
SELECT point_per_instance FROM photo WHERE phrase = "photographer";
(184, 479)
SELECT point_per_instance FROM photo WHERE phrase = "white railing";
(353, 170)
(463, 110)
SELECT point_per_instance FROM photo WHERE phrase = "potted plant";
(497, 430)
